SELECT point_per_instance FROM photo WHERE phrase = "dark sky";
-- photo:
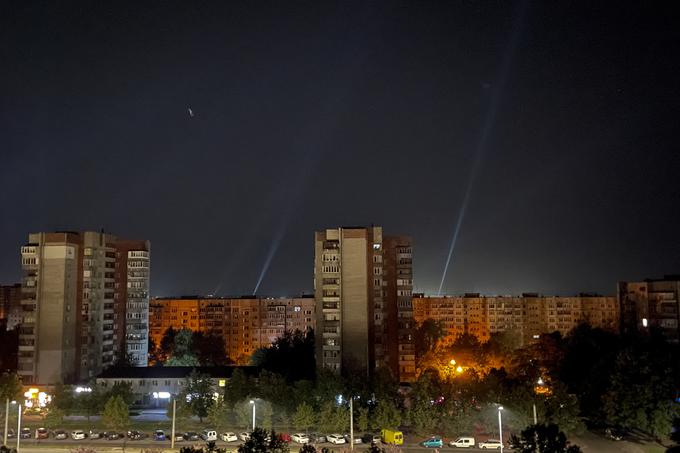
(310, 115)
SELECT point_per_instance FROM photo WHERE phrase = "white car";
(337, 439)
(78, 435)
(228, 437)
(491, 444)
(244, 436)
(300, 438)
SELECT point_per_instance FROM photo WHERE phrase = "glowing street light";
(452, 362)
(500, 426)
(459, 369)
(253, 403)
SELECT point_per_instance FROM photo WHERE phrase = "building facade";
(10, 305)
(246, 324)
(362, 286)
(651, 303)
(74, 305)
(529, 315)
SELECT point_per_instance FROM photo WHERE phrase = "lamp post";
(500, 426)
(174, 408)
(253, 403)
(19, 428)
(4, 440)
(351, 424)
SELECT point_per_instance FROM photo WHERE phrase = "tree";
(53, 418)
(427, 336)
(116, 415)
(198, 393)
(10, 387)
(291, 356)
(237, 388)
(63, 398)
(423, 417)
(91, 403)
(333, 418)
(209, 349)
(265, 411)
(244, 414)
(210, 447)
(122, 389)
(218, 415)
(262, 441)
(642, 389)
(542, 439)
(182, 352)
(182, 410)
(362, 419)
(307, 448)
(167, 346)
(386, 415)
(304, 417)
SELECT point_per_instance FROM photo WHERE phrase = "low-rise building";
(155, 386)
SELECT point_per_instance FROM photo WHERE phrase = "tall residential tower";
(363, 306)
(84, 305)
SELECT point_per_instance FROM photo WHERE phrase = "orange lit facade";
(246, 324)
(530, 315)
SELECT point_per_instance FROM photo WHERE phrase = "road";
(588, 444)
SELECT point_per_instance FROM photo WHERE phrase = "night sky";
(562, 119)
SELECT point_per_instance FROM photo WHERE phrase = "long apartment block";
(363, 283)
(529, 315)
(85, 298)
(246, 324)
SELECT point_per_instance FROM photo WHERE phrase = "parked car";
(94, 434)
(490, 444)
(317, 438)
(78, 434)
(159, 434)
(228, 437)
(209, 435)
(370, 439)
(136, 435)
(11, 434)
(357, 439)
(433, 442)
(26, 433)
(285, 437)
(179, 437)
(60, 434)
(112, 435)
(337, 439)
(300, 438)
(614, 433)
(191, 436)
(42, 433)
(244, 436)
(463, 442)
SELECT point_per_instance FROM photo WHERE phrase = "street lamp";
(253, 403)
(500, 426)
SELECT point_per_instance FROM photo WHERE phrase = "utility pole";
(19, 427)
(535, 418)
(351, 423)
(174, 407)
(4, 441)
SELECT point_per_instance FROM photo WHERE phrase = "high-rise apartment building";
(10, 305)
(362, 287)
(76, 292)
(651, 303)
(529, 315)
(246, 324)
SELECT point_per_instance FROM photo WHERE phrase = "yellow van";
(392, 437)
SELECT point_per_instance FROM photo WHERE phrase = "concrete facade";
(71, 307)
(246, 324)
(529, 315)
(362, 287)
(651, 303)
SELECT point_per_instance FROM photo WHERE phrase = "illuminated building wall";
(651, 303)
(530, 315)
(246, 324)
